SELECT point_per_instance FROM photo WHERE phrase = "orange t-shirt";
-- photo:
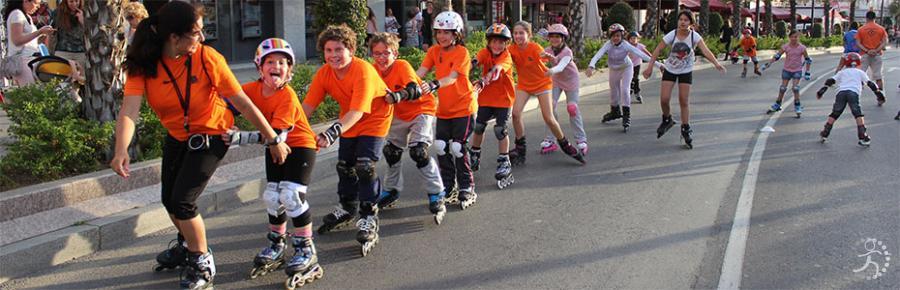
(457, 100)
(501, 92)
(530, 68)
(400, 74)
(207, 112)
(748, 44)
(283, 111)
(362, 90)
(870, 35)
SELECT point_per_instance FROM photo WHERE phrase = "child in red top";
(413, 124)
(362, 125)
(534, 80)
(456, 105)
(495, 99)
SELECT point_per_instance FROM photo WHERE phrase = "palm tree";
(768, 19)
(704, 16)
(826, 17)
(652, 15)
(736, 17)
(852, 11)
(576, 22)
(793, 4)
(105, 51)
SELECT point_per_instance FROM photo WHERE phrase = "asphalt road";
(644, 213)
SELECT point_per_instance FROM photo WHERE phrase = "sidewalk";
(52, 237)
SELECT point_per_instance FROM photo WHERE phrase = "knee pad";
(456, 149)
(856, 111)
(365, 169)
(392, 153)
(782, 89)
(479, 128)
(501, 131)
(293, 197)
(796, 89)
(270, 195)
(746, 61)
(345, 171)
(836, 113)
(573, 109)
(441, 146)
(419, 154)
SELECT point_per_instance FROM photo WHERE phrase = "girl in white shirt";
(23, 36)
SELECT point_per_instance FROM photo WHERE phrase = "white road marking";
(732, 266)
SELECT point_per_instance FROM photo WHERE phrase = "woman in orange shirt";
(534, 80)
(183, 81)
(364, 122)
(413, 124)
(285, 192)
(456, 105)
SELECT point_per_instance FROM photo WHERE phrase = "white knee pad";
(456, 149)
(270, 195)
(290, 198)
(440, 146)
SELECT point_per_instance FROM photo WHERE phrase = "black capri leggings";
(185, 174)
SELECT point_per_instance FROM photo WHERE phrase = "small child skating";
(748, 46)
(285, 192)
(412, 125)
(634, 39)
(495, 100)
(850, 80)
(564, 73)
(620, 73)
(796, 66)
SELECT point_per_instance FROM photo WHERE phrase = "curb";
(110, 232)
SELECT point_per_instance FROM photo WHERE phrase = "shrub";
(715, 24)
(620, 13)
(350, 12)
(781, 29)
(52, 141)
(837, 28)
(817, 30)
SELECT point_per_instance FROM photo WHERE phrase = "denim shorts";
(786, 75)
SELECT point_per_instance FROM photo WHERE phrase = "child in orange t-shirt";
(413, 124)
(285, 192)
(364, 122)
(534, 80)
(456, 105)
(748, 46)
(495, 100)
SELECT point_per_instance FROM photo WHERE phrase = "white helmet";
(273, 45)
(448, 20)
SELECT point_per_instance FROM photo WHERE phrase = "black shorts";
(185, 174)
(297, 168)
(485, 114)
(685, 78)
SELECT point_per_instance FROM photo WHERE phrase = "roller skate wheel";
(255, 272)
(290, 284)
(798, 115)
(159, 268)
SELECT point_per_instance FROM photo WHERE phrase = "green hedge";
(51, 140)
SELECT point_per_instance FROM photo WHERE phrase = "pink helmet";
(615, 27)
(558, 29)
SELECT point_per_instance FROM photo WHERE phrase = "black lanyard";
(184, 100)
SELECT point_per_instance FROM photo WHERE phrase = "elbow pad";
(777, 56)
(413, 92)
(807, 60)
(829, 82)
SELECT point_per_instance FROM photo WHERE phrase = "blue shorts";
(786, 75)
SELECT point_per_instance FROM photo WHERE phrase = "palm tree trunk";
(769, 19)
(793, 4)
(576, 23)
(441, 6)
(852, 11)
(102, 20)
(704, 16)
(736, 17)
(826, 17)
(460, 7)
(652, 15)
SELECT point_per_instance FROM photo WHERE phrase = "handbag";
(11, 65)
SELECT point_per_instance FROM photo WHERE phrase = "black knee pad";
(501, 131)
(302, 220)
(856, 111)
(479, 128)
(346, 171)
(746, 61)
(419, 154)
(392, 153)
(836, 113)
(365, 169)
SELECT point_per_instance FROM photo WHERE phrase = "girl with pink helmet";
(565, 79)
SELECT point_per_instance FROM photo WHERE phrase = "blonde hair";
(391, 41)
(525, 25)
(137, 10)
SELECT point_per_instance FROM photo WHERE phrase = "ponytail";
(145, 49)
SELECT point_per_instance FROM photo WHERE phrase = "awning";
(636, 4)
(714, 6)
